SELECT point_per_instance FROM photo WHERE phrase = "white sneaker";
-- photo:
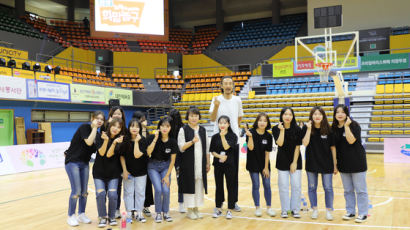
(271, 212)
(329, 215)
(217, 213)
(258, 212)
(83, 219)
(117, 214)
(284, 214)
(196, 212)
(191, 215)
(228, 215)
(314, 214)
(72, 220)
(182, 209)
(237, 208)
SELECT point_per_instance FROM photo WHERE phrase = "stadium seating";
(209, 83)
(259, 33)
(203, 38)
(310, 84)
(180, 41)
(11, 24)
(169, 82)
(391, 112)
(125, 80)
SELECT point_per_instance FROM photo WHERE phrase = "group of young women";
(131, 157)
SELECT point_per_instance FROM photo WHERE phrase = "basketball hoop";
(324, 68)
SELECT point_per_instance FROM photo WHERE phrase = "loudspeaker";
(113, 102)
(267, 70)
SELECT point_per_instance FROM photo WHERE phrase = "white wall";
(363, 14)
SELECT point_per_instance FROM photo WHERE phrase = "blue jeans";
(355, 185)
(327, 179)
(157, 171)
(134, 193)
(255, 188)
(295, 183)
(102, 187)
(78, 175)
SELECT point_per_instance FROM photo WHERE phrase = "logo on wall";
(405, 149)
(31, 157)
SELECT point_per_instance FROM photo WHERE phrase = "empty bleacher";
(259, 33)
(209, 83)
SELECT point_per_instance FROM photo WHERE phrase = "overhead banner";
(385, 62)
(44, 76)
(87, 94)
(305, 65)
(12, 87)
(283, 69)
(28, 74)
(48, 91)
(5, 71)
(13, 53)
(124, 95)
(34, 157)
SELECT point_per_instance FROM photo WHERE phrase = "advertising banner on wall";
(27, 158)
(48, 91)
(124, 95)
(397, 150)
(12, 87)
(283, 69)
(87, 94)
(385, 62)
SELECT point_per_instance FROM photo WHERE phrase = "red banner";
(304, 65)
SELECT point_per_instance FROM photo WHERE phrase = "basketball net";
(324, 68)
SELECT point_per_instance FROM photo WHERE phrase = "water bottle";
(370, 208)
(123, 224)
(222, 154)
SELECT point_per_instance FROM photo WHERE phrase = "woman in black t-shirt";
(162, 151)
(107, 170)
(320, 158)
(259, 143)
(149, 197)
(117, 112)
(134, 162)
(351, 163)
(77, 158)
(222, 147)
(287, 136)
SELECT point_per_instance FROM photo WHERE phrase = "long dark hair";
(164, 120)
(176, 123)
(324, 124)
(132, 123)
(111, 112)
(113, 122)
(260, 115)
(226, 118)
(293, 123)
(335, 122)
(140, 116)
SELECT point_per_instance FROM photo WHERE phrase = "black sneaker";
(113, 222)
(146, 212)
(361, 218)
(295, 214)
(348, 216)
(102, 223)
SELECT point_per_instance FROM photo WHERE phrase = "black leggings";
(149, 197)
(219, 172)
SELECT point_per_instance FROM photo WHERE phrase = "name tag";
(324, 136)
(167, 150)
(265, 142)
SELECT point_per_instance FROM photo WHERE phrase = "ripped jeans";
(78, 175)
(102, 187)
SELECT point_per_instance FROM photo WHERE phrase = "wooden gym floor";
(39, 200)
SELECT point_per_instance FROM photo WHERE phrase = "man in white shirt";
(229, 105)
